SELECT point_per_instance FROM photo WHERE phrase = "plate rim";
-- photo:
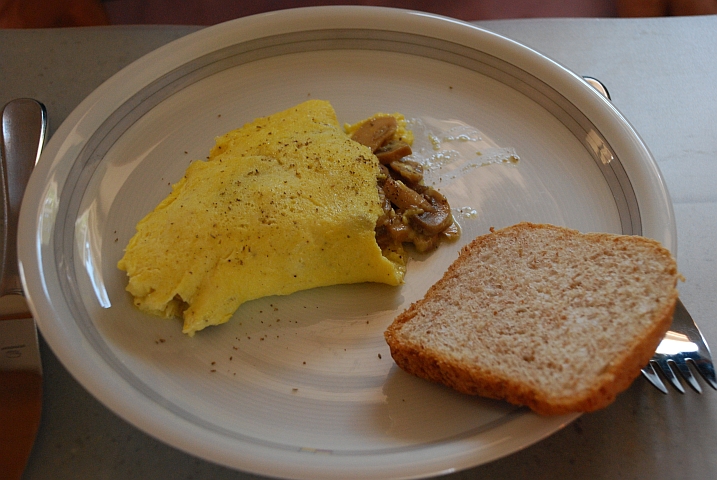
(608, 118)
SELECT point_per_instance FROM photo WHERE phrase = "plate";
(303, 386)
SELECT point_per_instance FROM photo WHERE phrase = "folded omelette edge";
(285, 203)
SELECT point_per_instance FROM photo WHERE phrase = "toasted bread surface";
(542, 316)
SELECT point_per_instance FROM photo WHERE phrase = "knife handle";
(24, 127)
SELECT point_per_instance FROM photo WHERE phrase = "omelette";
(285, 203)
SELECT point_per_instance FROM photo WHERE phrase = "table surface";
(660, 73)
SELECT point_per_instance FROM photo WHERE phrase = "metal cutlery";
(24, 127)
(683, 344)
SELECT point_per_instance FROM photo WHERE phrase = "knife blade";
(24, 127)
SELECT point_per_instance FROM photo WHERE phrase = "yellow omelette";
(288, 202)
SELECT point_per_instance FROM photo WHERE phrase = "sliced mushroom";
(433, 222)
(392, 151)
(385, 202)
(385, 206)
(410, 171)
(374, 133)
(404, 197)
(399, 231)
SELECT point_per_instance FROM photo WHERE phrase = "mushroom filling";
(412, 212)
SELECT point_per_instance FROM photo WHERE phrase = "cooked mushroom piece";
(374, 133)
(399, 231)
(393, 150)
(385, 206)
(408, 170)
(432, 222)
(404, 197)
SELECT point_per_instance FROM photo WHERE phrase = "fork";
(683, 344)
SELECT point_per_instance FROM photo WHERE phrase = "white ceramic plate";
(303, 386)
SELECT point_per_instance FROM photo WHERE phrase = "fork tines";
(682, 345)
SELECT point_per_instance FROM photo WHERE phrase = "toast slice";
(542, 316)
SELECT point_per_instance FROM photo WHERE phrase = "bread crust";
(421, 357)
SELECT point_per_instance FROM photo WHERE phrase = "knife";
(24, 127)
